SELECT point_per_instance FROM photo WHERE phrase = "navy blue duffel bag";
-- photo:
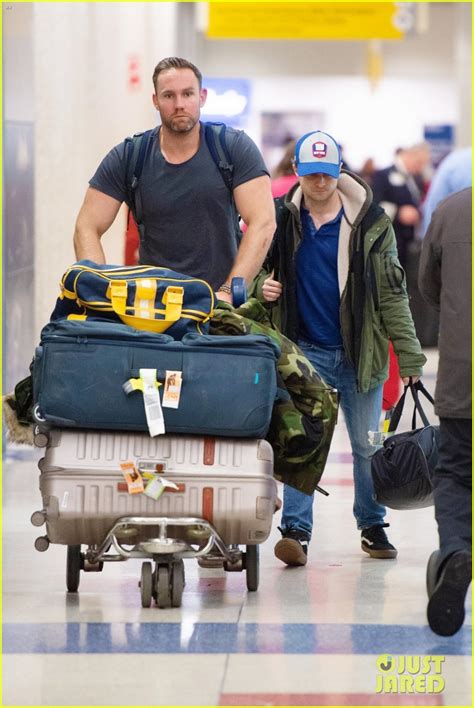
(81, 368)
(148, 298)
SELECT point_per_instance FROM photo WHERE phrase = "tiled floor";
(309, 636)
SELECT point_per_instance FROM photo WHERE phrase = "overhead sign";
(318, 20)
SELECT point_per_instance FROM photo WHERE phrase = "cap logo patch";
(319, 149)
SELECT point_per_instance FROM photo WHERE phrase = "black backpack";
(137, 148)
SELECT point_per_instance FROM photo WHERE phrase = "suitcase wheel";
(37, 415)
(252, 567)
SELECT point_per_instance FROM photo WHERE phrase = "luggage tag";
(133, 477)
(172, 391)
(157, 486)
(151, 399)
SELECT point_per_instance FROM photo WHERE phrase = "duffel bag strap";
(414, 388)
(172, 299)
(398, 410)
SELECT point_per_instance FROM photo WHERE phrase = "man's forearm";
(252, 251)
(87, 246)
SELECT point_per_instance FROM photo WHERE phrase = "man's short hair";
(175, 63)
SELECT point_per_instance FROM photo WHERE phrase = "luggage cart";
(223, 506)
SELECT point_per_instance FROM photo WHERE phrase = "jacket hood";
(356, 197)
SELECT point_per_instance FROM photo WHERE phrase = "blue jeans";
(361, 413)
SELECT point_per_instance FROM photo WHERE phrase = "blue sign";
(441, 140)
(228, 101)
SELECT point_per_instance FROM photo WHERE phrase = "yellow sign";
(308, 20)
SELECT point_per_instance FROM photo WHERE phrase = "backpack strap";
(282, 216)
(216, 142)
(136, 149)
(214, 134)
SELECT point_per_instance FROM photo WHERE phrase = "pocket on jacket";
(395, 275)
(380, 344)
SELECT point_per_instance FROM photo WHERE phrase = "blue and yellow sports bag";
(145, 297)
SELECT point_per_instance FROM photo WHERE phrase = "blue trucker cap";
(317, 152)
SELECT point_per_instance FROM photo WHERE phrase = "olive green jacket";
(373, 297)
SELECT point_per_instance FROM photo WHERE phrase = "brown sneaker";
(292, 549)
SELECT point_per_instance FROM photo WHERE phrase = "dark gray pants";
(452, 483)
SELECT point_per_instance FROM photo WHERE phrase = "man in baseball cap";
(317, 153)
(338, 290)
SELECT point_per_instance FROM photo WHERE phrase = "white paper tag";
(172, 392)
(151, 399)
(154, 488)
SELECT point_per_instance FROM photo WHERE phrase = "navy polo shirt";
(317, 287)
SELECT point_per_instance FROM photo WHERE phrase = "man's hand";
(271, 289)
(225, 297)
(406, 379)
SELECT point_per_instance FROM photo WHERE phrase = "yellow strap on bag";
(172, 299)
(81, 318)
(145, 294)
(117, 292)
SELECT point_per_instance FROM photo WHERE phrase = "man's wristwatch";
(225, 289)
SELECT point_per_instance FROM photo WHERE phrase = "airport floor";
(309, 636)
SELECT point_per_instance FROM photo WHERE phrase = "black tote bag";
(402, 469)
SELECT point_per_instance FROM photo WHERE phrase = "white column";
(463, 72)
(85, 104)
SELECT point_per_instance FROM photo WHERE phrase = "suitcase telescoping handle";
(397, 413)
(172, 299)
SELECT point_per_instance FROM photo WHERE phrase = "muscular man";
(188, 211)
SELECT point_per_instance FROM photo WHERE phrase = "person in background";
(338, 290)
(188, 215)
(367, 171)
(284, 177)
(445, 281)
(399, 190)
(453, 174)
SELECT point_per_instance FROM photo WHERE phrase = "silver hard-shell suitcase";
(225, 497)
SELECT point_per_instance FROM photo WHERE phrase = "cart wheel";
(177, 583)
(252, 567)
(431, 573)
(163, 590)
(73, 568)
(146, 584)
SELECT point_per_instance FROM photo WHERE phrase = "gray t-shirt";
(187, 209)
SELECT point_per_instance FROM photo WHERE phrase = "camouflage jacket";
(305, 413)
(373, 297)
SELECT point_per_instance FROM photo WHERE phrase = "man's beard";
(183, 124)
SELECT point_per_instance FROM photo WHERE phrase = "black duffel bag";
(402, 469)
